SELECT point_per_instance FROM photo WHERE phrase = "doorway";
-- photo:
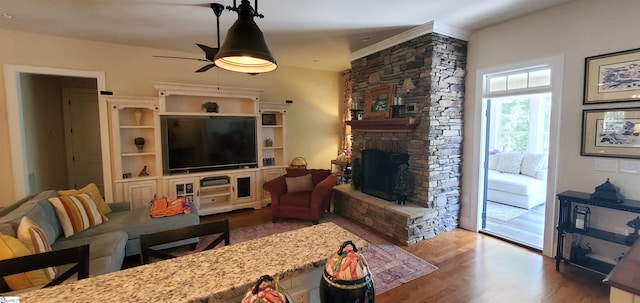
(517, 148)
(533, 78)
(34, 95)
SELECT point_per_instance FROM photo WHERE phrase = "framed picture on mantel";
(378, 102)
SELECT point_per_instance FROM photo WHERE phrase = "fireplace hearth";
(378, 172)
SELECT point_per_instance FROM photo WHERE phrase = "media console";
(142, 172)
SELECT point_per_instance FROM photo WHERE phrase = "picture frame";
(611, 133)
(613, 77)
(269, 119)
(412, 108)
(378, 102)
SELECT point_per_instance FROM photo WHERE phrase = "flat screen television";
(204, 143)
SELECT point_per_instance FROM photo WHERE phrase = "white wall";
(44, 132)
(312, 119)
(577, 29)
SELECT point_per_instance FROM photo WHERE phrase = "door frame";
(556, 63)
(16, 124)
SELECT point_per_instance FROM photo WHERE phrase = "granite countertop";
(217, 274)
(626, 274)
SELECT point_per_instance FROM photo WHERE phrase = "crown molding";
(418, 31)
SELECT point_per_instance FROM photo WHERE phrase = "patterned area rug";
(504, 212)
(390, 265)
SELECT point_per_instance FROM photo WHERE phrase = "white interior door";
(82, 136)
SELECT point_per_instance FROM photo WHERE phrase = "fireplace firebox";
(378, 171)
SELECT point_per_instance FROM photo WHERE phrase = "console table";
(565, 227)
(220, 275)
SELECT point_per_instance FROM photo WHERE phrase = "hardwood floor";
(473, 267)
(526, 229)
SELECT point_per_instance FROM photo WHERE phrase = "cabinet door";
(268, 175)
(244, 187)
(140, 193)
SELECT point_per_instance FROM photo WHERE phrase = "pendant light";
(244, 49)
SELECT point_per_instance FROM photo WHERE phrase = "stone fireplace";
(429, 72)
(378, 170)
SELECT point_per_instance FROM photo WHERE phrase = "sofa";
(109, 242)
(517, 179)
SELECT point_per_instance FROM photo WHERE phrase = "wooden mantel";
(384, 125)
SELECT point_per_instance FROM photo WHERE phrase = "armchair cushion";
(297, 184)
(317, 175)
(297, 199)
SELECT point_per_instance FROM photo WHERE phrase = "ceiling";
(303, 33)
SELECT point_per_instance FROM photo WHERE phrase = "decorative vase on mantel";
(139, 142)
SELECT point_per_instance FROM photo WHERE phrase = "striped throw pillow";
(77, 213)
(35, 240)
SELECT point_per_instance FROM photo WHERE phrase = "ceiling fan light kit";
(244, 49)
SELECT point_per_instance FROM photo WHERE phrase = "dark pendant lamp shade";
(244, 49)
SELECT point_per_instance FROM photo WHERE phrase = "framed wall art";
(613, 77)
(269, 119)
(378, 102)
(611, 133)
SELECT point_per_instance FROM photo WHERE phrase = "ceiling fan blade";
(205, 68)
(184, 58)
(209, 52)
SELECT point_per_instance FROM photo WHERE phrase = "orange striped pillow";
(35, 240)
(77, 213)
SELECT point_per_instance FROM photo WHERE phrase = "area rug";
(504, 212)
(390, 265)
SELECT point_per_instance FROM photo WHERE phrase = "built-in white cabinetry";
(273, 145)
(139, 193)
(269, 174)
(139, 170)
(216, 192)
(136, 167)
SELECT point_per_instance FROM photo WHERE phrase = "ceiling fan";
(209, 52)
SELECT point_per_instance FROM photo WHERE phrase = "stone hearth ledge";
(408, 223)
(209, 276)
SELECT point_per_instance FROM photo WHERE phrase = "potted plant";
(356, 173)
(403, 185)
(210, 107)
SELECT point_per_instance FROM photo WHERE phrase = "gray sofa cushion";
(25, 206)
(7, 229)
(40, 211)
(99, 266)
(106, 251)
(137, 222)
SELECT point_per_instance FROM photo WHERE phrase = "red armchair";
(309, 203)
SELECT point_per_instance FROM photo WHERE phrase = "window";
(518, 80)
(520, 109)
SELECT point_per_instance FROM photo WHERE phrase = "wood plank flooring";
(473, 267)
(526, 229)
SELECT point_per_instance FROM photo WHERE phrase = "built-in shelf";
(137, 127)
(135, 154)
(384, 125)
